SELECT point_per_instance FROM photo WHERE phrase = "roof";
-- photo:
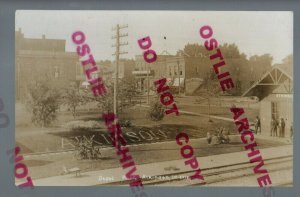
(286, 68)
(271, 80)
(39, 44)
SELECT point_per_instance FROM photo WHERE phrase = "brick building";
(43, 59)
(166, 66)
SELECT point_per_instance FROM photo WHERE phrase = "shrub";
(125, 123)
(43, 102)
(157, 111)
(79, 125)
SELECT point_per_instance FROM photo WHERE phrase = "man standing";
(279, 126)
(273, 127)
(291, 131)
(208, 137)
(257, 125)
(282, 127)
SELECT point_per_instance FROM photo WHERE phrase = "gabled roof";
(164, 52)
(269, 81)
(286, 68)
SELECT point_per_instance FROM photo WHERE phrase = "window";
(274, 110)
(56, 72)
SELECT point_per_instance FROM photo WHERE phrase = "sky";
(255, 33)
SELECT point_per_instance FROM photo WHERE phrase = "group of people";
(277, 127)
(221, 136)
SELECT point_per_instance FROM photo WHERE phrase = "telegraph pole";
(118, 44)
(178, 68)
(148, 84)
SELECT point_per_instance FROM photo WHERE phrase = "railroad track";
(220, 174)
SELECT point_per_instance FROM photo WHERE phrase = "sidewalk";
(275, 139)
(198, 114)
(162, 168)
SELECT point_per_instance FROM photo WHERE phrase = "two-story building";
(166, 66)
(43, 59)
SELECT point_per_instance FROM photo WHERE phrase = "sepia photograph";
(159, 98)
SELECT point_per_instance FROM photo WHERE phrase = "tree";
(230, 51)
(127, 91)
(73, 98)
(212, 89)
(43, 102)
(288, 60)
(156, 111)
(105, 102)
(259, 64)
(193, 50)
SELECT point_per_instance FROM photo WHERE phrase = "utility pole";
(178, 68)
(118, 44)
(148, 84)
(18, 79)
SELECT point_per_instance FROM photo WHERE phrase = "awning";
(143, 72)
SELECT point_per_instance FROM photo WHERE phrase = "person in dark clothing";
(257, 125)
(291, 132)
(282, 127)
(273, 127)
(208, 137)
(225, 136)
